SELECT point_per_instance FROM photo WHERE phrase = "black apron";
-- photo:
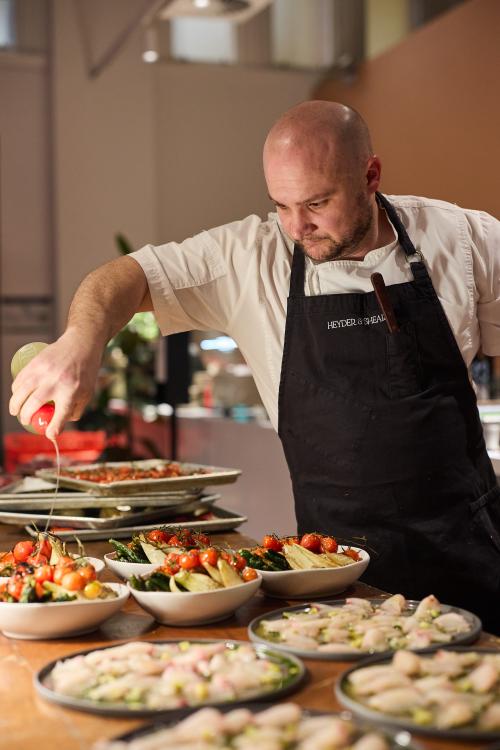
(383, 439)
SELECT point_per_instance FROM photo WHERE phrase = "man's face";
(327, 211)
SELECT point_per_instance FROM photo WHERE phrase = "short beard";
(344, 248)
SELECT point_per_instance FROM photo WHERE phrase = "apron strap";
(404, 240)
(297, 278)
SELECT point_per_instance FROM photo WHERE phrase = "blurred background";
(126, 122)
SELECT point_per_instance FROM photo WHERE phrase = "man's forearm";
(107, 298)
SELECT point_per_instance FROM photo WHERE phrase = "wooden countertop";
(31, 723)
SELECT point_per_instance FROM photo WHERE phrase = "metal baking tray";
(226, 520)
(74, 500)
(147, 515)
(210, 475)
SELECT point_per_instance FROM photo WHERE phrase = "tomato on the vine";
(23, 550)
(272, 542)
(351, 553)
(37, 559)
(249, 574)
(44, 573)
(174, 541)
(312, 542)
(209, 556)
(328, 544)
(238, 561)
(157, 536)
(44, 547)
(189, 560)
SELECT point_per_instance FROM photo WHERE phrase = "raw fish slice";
(370, 741)
(452, 622)
(397, 701)
(336, 648)
(280, 715)
(456, 713)
(406, 662)
(483, 677)
(383, 682)
(489, 721)
(336, 734)
(427, 606)
(362, 605)
(375, 639)
(367, 673)
(394, 604)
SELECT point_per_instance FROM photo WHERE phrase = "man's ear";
(373, 174)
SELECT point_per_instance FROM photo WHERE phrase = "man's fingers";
(30, 406)
(63, 412)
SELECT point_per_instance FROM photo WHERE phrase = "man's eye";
(317, 204)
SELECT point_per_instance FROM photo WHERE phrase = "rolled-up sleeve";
(486, 258)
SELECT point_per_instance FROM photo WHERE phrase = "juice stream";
(58, 472)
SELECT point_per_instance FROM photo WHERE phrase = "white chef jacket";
(235, 279)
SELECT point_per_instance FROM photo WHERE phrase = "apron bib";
(383, 439)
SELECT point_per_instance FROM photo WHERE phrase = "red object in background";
(42, 417)
(77, 447)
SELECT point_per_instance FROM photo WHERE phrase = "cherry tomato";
(202, 539)
(170, 568)
(189, 560)
(312, 542)
(271, 541)
(238, 561)
(23, 550)
(15, 588)
(41, 418)
(157, 536)
(44, 573)
(328, 544)
(72, 581)
(351, 553)
(65, 560)
(292, 540)
(37, 559)
(61, 571)
(174, 541)
(87, 572)
(7, 558)
(39, 590)
(92, 590)
(249, 574)
(209, 556)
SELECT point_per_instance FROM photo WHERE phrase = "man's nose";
(301, 224)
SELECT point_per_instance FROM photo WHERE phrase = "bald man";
(369, 392)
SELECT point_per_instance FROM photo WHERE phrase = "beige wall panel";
(433, 107)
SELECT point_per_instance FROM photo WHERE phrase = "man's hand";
(64, 372)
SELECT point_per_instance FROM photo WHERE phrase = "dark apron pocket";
(403, 363)
(486, 515)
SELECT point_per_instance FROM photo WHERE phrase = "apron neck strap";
(403, 239)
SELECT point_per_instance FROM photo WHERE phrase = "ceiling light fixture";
(151, 52)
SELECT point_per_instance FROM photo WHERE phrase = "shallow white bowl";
(305, 584)
(37, 621)
(126, 569)
(200, 608)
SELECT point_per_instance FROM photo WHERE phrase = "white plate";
(195, 608)
(313, 582)
(124, 569)
(43, 620)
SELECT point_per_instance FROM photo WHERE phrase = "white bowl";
(126, 569)
(195, 608)
(42, 620)
(306, 584)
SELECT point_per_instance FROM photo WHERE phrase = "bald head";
(321, 131)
